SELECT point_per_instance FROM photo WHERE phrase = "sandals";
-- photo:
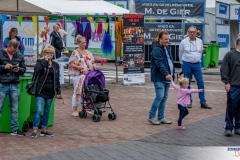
(181, 128)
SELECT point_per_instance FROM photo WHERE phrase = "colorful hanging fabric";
(119, 36)
(107, 45)
(87, 32)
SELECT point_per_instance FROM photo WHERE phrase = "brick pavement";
(195, 143)
(131, 103)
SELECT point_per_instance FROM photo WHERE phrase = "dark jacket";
(56, 40)
(230, 68)
(159, 63)
(41, 68)
(7, 75)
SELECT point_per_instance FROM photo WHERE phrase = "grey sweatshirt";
(230, 68)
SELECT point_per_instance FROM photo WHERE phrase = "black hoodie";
(7, 76)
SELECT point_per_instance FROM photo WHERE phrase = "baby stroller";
(95, 97)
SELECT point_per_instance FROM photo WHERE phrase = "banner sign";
(223, 39)
(222, 10)
(174, 29)
(234, 11)
(133, 49)
(171, 8)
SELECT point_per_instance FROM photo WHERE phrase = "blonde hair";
(79, 38)
(182, 81)
(40, 33)
(156, 38)
(50, 48)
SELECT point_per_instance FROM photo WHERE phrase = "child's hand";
(201, 90)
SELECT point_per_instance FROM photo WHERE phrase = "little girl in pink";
(183, 98)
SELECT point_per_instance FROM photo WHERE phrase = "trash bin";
(206, 56)
(23, 108)
(214, 55)
(33, 110)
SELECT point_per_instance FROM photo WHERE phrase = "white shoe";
(75, 114)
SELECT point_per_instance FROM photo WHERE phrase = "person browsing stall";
(13, 34)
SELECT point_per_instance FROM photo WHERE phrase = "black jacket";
(7, 75)
(41, 68)
(159, 63)
(56, 40)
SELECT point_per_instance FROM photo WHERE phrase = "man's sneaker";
(205, 106)
(237, 131)
(17, 133)
(164, 121)
(153, 121)
(228, 133)
(33, 135)
(189, 105)
(47, 134)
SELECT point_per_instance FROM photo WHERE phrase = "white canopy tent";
(60, 7)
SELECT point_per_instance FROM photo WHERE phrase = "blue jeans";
(37, 115)
(159, 102)
(183, 111)
(190, 69)
(13, 91)
(233, 108)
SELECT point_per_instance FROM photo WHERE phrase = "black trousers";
(233, 108)
(183, 111)
(58, 53)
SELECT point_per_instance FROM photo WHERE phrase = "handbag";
(32, 86)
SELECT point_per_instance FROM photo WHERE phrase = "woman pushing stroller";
(80, 63)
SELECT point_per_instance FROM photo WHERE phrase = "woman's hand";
(59, 97)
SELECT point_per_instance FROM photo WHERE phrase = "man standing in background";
(56, 41)
(190, 53)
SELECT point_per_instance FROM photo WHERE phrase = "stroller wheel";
(99, 112)
(81, 114)
(114, 117)
(111, 116)
(95, 118)
(85, 114)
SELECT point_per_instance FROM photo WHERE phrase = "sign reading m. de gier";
(170, 8)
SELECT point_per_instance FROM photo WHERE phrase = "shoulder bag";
(32, 86)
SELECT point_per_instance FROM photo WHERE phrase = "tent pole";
(37, 39)
(17, 8)
(116, 64)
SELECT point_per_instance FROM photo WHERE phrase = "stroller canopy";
(94, 77)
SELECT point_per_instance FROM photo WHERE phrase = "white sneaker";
(75, 114)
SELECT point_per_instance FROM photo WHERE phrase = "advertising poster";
(27, 31)
(133, 49)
